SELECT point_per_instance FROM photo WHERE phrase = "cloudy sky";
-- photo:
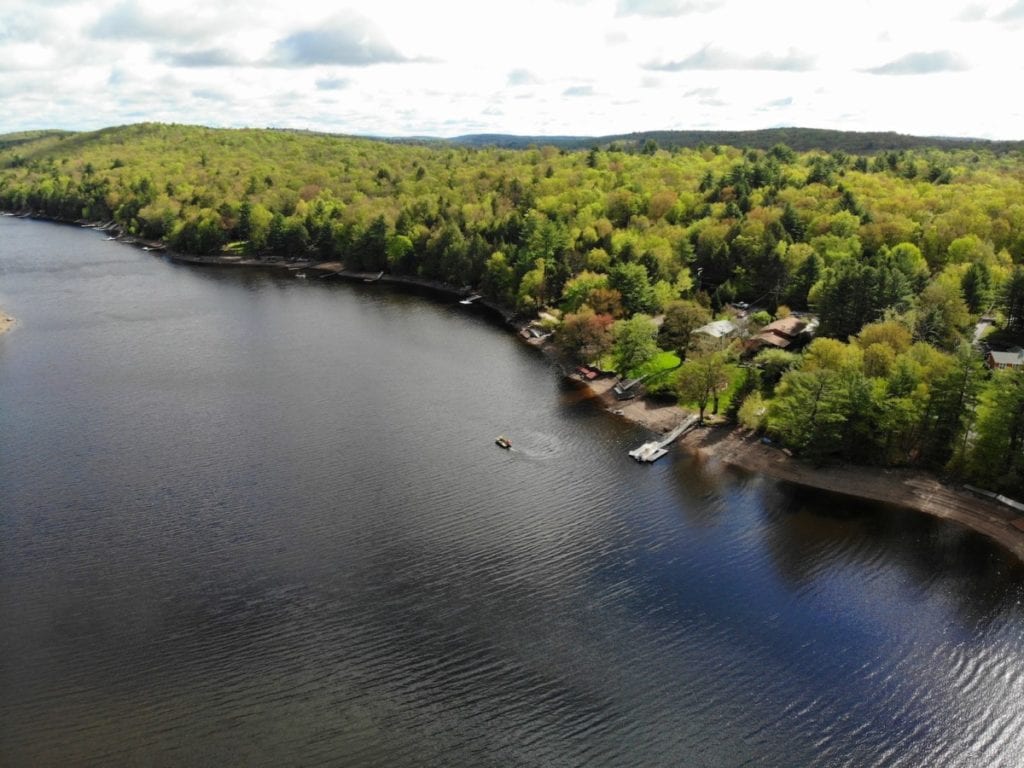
(580, 67)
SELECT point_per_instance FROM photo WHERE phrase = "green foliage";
(584, 336)
(895, 248)
(635, 343)
(702, 379)
(773, 363)
(632, 283)
(997, 455)
(681, 319)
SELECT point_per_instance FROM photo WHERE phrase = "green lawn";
(663, 361)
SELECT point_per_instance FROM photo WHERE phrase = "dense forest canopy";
(898, 251)
(799, 139)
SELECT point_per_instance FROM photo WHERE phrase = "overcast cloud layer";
(585, 67)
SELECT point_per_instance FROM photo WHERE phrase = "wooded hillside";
(899, 252)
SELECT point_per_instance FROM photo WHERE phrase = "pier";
(650, 452)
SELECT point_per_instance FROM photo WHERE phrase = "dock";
(471, 299)
(650, 452)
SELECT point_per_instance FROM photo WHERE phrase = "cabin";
(1011, 358)
(789, 332)
(718, 329)
(628, 389)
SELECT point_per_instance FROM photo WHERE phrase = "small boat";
(503, 442)
(301, 275)
(471, 299)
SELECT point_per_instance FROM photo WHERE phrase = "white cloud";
(921, 63)
(389, 67)
(348, 38)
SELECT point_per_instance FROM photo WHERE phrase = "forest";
(627, 246)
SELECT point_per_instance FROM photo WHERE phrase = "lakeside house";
(718, 329)
(1011, 358)
(627, 389)
(786, 333)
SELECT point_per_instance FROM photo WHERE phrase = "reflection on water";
(247, 519)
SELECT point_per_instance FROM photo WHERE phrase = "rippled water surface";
(252, 520)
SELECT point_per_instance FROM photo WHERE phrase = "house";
(782, 334)
(719, 329)
(628, 389)
(1011, 358)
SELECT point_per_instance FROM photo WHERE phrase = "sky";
(557, 67)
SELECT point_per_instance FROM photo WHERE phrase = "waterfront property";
(786, 333)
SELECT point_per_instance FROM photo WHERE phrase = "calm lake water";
(252, 520)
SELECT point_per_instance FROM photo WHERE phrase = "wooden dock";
(650, 452)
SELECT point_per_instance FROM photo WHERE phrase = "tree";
(847, 298)
(702, 379)
(809, 412)
(531, 288)
(634, 343)
(682, 317)
(951, 406)
(577, 290)
(373, 246)
(773, 363)
(584, 336)
(1013, 300)
(977, 287)
(941, 313)
(632, 283)
(997, 456)
(892, 333)
(498, 278)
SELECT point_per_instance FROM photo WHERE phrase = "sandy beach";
(911, 489)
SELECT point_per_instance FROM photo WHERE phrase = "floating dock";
(648, 453)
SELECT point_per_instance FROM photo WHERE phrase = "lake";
(252, 520)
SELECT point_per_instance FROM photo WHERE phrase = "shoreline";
(912, 489)
(731, 445)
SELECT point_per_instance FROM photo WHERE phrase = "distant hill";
(9, 140)
(799, 139)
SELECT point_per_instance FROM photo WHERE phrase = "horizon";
(508, 135)
(567, 68)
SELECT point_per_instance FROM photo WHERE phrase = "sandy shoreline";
(910, 489)
(6, 322)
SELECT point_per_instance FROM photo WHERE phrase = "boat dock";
(649, 453)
